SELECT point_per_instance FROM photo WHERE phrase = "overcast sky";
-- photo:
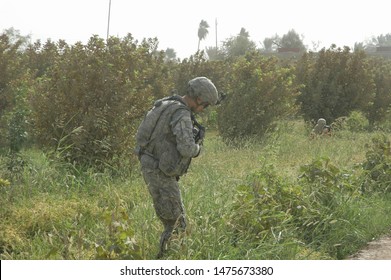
(175, 22)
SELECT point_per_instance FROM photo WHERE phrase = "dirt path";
(379, 249)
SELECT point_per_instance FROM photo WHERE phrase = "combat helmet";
(203, 88)
(322, 122)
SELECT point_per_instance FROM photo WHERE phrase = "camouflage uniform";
(166, 146)
(167, 202)
(318, 129)
(167, 157)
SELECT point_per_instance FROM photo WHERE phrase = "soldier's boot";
(180, 225)
(164, 238)
(169, 227)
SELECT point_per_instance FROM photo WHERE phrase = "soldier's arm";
(182, 128)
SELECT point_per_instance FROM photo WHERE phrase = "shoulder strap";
(158, 103)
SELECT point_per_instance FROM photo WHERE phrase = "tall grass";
(50, 210)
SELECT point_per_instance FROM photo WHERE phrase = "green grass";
(52, 211)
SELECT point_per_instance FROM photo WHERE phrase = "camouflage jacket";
(165, 137)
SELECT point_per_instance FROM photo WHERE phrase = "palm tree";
(202, 32)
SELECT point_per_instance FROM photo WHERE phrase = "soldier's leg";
(170, 210)
(171, 227)
(167, 203)
(181, 221)
(165, 237)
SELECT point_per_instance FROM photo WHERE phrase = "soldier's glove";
(199, 134)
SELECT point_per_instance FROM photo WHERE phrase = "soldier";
(167, 139)
(320, 129)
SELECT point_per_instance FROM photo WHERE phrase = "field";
(234, 207)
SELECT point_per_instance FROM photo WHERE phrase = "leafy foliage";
(93, 96)
(86, 100)
(239, 45)
(264, 206)
(11, 71)
(292, 40)
(120, 242)
(260, 92)
(56, 211)
(306, 212)
(381, 71)
(198, 65)
(336, 81)
(202, 32)
(354, 122)
(378, 165)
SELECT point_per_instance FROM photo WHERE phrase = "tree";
(382, 40)
(214, 53)
(170, 54)
(15, 82)
(292, 40)
(11, 44)
(270, 44)
(90, 102)
(380, 107)
(336, 82)
(202, 32)
(371, 44)
(239, 45)
(260, 91)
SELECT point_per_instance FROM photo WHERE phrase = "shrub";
(336, 81)
(260, 92)
(90, 102)
(357, 121)
(377, 167)
(381, 71)
(269, 207)
(119, 242)
(264, 205)
(14, 81)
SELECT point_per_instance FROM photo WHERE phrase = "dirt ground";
(379, 249)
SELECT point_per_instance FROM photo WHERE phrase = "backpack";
(149, 123)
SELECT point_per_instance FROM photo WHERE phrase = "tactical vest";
(156, 144)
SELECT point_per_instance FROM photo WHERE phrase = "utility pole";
(216, 32)
(108, 21)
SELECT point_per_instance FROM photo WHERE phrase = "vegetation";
(93, 96)
(291, 40)
(336, 83)
(286, 197)
(261, 92)
(202, 32)
(70, 186)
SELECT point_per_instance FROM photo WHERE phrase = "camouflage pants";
(167, 202)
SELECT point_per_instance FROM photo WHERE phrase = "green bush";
(264, 205)
(260, 91)
(305, 212)
(378, 112)
(89, 104)
(357, 121)
(119, 242)
(336, 82)
(377, 167)
(14, 85)
(198, 65)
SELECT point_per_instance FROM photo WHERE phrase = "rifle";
(222, 97)
(198, 131)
